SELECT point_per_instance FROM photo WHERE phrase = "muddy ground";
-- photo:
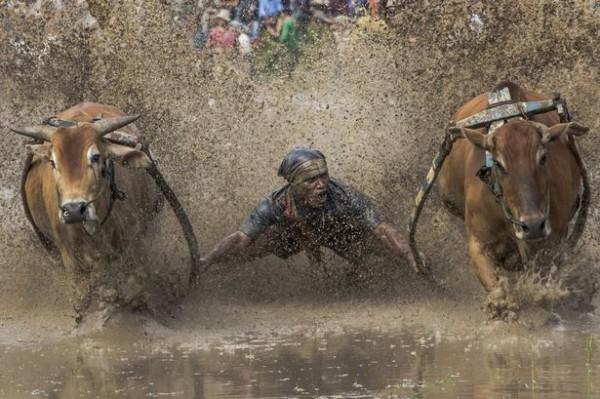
(375, 103)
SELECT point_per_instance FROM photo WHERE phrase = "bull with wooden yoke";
(84, 195)
(510, 168)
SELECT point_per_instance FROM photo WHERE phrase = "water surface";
(352, 364)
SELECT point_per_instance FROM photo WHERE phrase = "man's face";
(313, 192)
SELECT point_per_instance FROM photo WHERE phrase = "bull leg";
(482, 264)
(500, 303)
(80, 295)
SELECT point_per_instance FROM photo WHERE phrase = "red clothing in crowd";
(221, 37)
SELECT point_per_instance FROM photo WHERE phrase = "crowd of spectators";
(242, 24)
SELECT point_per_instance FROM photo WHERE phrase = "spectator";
(201, 35)
(301, 13)
(246, 11)
(338, 7)
(318, 9)
(222, 36)
(269, 8)
(288, 32)
(272, 26)
(243, 40)
(289, 36)
(374, 8)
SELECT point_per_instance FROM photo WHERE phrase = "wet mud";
(376, 104)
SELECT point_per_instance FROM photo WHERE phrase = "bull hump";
(516, 91)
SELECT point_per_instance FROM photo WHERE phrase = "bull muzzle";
(74, 212)
(533, 227)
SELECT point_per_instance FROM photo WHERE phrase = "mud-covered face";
(313, 192)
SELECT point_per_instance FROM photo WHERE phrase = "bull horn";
(41, 132)
(105, 126)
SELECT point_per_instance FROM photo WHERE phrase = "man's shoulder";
(346, 194)
(277, 194)
(341, 189)
(273, 202)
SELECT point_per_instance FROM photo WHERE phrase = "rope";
(586, 197)
(45, 240)
(421, 196)
(184, 221)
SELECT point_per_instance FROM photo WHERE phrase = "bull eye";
(543, 159)
(95, 158)
(52, 163)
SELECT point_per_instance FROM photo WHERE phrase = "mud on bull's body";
(537, 175)
(70, 190)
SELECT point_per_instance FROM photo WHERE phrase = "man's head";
(306, 171)
(221, 19)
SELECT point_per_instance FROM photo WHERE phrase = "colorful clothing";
(269, 8)
(289, 33)
(220, 37)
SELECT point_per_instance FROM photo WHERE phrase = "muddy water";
(354, 364)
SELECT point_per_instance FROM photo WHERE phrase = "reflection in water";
(359, 364)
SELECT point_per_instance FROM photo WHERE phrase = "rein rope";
(117, 194)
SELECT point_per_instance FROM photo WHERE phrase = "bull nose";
(74, 212)
(534, 227)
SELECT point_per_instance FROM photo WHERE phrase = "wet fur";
(123, 230)
(490, 236)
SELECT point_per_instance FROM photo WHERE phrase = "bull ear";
(483, 141)
(127, 156)
(570, 129)
(41, 151)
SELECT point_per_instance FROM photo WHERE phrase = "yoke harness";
(501, 108)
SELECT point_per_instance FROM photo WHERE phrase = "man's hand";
(396, 242)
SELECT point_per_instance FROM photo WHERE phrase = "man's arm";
(370, 216)
(257, 222)
(228, 246)
(396, 242)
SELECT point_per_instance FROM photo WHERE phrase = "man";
(311, 211)
(221, 35)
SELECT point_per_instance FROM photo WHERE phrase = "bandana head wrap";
(301, 164)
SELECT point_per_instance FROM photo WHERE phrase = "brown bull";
(539, 177)
(72, 184)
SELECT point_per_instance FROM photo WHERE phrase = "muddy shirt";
(347, 218)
